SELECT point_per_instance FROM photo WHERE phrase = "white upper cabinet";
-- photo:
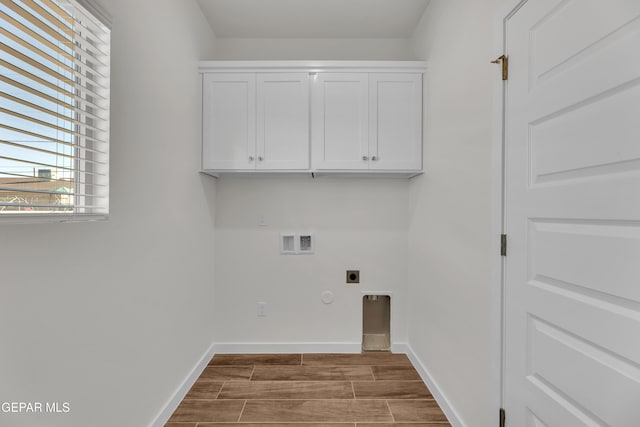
(229, 121)
(339, 121)
(367, 121)
(283, 121)
(305, 116)
(395, 121)
(255, 121)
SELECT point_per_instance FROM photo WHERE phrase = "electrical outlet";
(262, 309)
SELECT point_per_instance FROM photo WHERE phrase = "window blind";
(54, 109)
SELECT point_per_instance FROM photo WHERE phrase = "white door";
(283, 121)
(572, 193)
(229, 121)
(339, 121)
(395, 121)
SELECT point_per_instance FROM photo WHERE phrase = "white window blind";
(54, 109)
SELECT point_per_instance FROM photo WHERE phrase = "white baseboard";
(292, 347)
(297, 347)
(182, 391)
(443, 402)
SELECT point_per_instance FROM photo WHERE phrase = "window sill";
(35, 218)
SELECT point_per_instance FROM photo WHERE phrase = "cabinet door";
(283, 121)
(339, 115)
(229, 121)
(395, 121)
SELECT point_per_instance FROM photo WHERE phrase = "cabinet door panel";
(395, 121)
(283, 121)
(229, 121)
(339, 118)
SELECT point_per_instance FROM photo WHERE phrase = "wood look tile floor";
(319, 390)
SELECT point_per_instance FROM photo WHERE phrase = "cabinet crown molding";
(312, 66)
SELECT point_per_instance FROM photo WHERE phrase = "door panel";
(572, 194)
(395, 121)
(588, 255)
(585, 132)
(573, 30)
(563, 363)
(339, 137)
(283, 121)
(229, 122)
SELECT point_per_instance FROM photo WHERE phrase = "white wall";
(450, 240)
(358, 224)
(337, 49)
(111, 316)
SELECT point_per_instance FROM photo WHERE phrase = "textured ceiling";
(313, 18)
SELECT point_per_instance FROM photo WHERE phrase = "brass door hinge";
(503, 245)
(502, 417)
(504, 60)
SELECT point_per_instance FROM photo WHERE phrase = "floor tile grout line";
(353, 390)
(390, 411)
(342, 399)
(253, 369)
(242, 410)
(307, 399)
(220, 391)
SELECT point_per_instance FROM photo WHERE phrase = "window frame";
(97, 12)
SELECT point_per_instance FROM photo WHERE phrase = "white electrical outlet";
(262, 309)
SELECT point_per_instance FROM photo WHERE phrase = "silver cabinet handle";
(260, 158)
(375, 158)
(251, 158)
(365, 158)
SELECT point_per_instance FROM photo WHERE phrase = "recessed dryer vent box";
(296, 243)
(376, 323)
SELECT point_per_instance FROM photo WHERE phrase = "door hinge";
(502, 417)
(504, 60)
(503, 245)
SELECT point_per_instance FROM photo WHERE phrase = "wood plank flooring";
(297, 390)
